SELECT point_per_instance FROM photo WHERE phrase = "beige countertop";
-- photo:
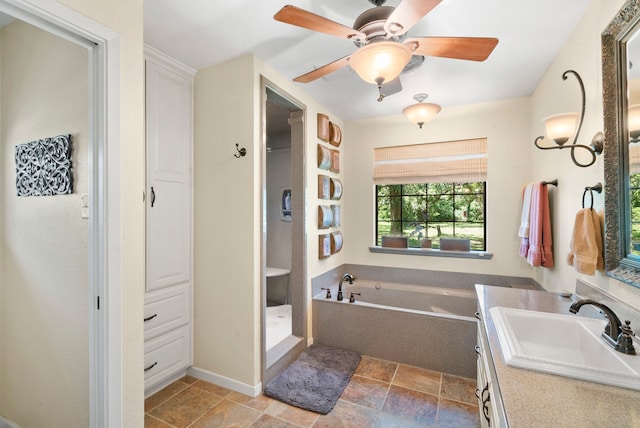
(535, 399)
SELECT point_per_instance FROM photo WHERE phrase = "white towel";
(523, 232)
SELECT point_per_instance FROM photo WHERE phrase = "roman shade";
(461, 161)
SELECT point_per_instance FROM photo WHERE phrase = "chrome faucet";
(615, 334)
(349, 278)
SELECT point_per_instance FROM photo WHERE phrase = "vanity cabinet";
(168, 198)
(487, 392)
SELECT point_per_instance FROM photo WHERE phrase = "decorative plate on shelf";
(325, 217)
(335, 134)
(324, 157)
(324, 246)
(336, 189)
(324, 131)
(336, 242)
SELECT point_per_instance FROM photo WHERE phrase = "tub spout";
(349, 278)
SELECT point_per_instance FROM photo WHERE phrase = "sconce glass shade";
(380, 62)
(421, 113)
(634, 121)
(561, 127)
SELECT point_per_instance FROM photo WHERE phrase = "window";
(432, 191)
(432, 211)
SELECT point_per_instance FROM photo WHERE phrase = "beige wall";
(505, 124)
(225, 226)
(227, 280)
(553, 95)
(125, 18)
(44, 373)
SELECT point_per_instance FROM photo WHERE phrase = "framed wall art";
(285, 205)
(43, 167)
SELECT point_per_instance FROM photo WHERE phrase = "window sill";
(480, 255)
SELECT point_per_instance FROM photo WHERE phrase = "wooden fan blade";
(302, 18)
(469, 48)
(406, 14)
(323, 71)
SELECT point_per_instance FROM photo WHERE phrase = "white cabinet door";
(169, 159)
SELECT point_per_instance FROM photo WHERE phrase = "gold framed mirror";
(621, 259)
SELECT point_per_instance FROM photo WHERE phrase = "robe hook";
(242, 151)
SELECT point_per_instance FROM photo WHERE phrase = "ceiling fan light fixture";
(421, 113)
(380, 62)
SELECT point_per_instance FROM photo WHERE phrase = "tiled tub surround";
(537, 399)
(438, 334)
(434, 341)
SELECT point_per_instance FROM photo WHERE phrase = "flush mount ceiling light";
(421, 113)
(561, 127)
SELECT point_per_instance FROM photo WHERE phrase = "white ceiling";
(202, 33)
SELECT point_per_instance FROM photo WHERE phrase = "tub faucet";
(615, 334)
(349, 278)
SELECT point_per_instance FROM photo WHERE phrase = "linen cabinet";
(168, 198)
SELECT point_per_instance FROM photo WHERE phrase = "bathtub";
(429, 327)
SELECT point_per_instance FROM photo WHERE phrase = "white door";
(168, 109)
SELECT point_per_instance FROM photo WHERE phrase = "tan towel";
(586, 249)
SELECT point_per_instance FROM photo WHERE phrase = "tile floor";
(381, 394)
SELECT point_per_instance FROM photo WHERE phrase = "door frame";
(297, 276)
(105, 341)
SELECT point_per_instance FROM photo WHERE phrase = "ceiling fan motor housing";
(371, 22)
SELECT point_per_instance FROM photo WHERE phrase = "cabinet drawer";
(166, 309)
(166, 355)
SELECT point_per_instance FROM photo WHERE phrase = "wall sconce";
(380, 62)
(561, 127)
(634, 123)
(421, 113)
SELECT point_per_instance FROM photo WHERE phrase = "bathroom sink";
(565, 345)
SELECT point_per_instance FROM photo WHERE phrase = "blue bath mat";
(316, 379)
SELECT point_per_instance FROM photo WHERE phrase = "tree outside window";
(432, 211)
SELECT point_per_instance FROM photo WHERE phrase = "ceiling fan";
(384, 51)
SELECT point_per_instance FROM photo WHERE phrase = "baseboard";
(232, 384)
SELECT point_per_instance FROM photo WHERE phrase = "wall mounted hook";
(242, 151)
